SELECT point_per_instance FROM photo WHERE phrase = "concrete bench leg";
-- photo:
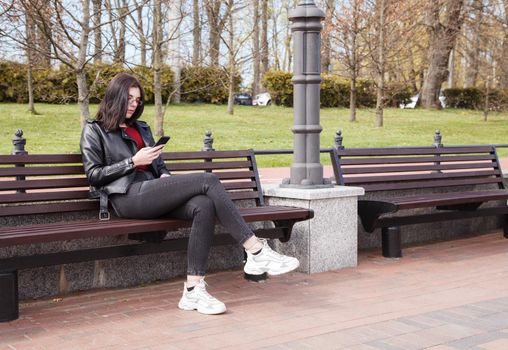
(390, 238)
(9, 309)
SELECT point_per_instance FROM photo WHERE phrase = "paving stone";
(381, 345)
(476, 340)
(498, 344)
(421, 321)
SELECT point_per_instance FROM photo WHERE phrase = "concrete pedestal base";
(329, 240)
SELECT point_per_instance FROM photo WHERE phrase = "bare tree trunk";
(486, 106)
(354, 63)
(451, 70)
(141, 33)
(109, 10)
(216, 23)
(473, 52)
(442, 40)
(288, 53)
(119, 55)
(157, 65)
(83, 94)
(352, 99)
(275, 41)
(380, 66)
(286, 60)
(97, 32)
(231, 63)
(255, 50)
(30, 86)
(30, 34)
(196, 34)
(325, 37)
(503, 77)
(264, 38)
(174, 12)
(42, 35)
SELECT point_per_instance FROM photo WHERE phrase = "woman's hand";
(146, 155)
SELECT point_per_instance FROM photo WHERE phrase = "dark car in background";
(243, 99)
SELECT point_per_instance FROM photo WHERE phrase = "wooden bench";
(55, 183)
(456, 181)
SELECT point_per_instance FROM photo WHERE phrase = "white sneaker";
(199, 299)
(270, 262)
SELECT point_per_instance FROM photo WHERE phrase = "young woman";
(119, 159)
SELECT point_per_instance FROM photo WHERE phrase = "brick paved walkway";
(448, 295)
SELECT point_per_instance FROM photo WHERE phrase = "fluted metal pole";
(306, 170)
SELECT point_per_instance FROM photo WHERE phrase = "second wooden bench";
(456, 180)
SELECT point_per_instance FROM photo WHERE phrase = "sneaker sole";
(183, 306)
(271, 273)
(255, 278)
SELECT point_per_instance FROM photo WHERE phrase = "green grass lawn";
(57, 129)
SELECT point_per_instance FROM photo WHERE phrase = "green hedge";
(203, 84)
(58, 85)
(469, 98)
(335, 91)
(280, 87)
(474, 98)
(13, 82)
(206, 84)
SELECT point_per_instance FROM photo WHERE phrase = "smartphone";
(162, 141)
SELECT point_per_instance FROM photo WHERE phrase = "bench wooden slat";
(40, 159)
(42, 170)
(205, 155)
(44, 196)
(424, 176)
(84, 229)
(428, 184)
(207, 165)
(58, 206)
(239, 185)
(92, 228)
(408, 160)
(408, 168)
(449, 198)
(244, 195)
(249, 213)
(233, 175)
(49, 208)
(367, 152)
(44, 183)
(76, 158)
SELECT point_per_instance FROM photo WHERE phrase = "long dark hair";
(115, 103)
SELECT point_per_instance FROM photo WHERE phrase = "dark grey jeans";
(199, 196)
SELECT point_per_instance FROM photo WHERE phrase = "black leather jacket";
(107, 156)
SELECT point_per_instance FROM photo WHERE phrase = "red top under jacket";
(136, 136)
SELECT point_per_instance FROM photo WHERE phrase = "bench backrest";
(51, 183)
(382, 169)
